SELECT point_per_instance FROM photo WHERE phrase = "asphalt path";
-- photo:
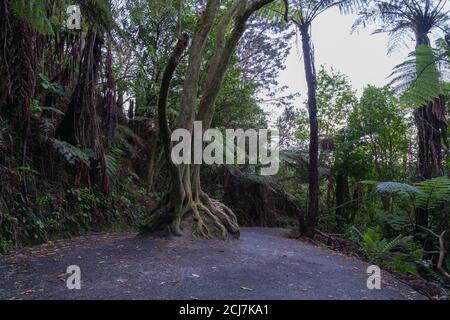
(262, 264)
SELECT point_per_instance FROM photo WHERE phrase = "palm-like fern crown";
(403, 19)
(95, 12)
(429, 194)
(303, 12)
(420, 78)
(306, 11)
(423, 76)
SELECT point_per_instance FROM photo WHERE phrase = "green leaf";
(397, 188)
(35, 13)
(434, 193)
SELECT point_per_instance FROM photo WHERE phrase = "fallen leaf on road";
(170, 282)
(62, 276)
(28, 291)
(246, 289)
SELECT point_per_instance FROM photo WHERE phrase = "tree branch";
(164, 130)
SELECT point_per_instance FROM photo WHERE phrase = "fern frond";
(112, 167)
(434, 193)
(127, 140)
(398, 188)
(71, 153)
(33, 12)
(420, 78)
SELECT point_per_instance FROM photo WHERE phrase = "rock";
(257, 201)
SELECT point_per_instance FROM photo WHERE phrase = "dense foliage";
(81, 147)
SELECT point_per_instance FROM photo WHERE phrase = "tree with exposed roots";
(185, 200)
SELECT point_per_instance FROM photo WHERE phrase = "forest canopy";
(87, 115)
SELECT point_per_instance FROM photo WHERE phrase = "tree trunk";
(184, 196)
(431, 130)
(80, 125)
(131, 110)
(342, 195)
(109, 106)
(210, 218)
(431, 127)
(18, 67)
(313, 169)
(330, 192)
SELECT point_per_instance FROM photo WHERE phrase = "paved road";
(263, 264)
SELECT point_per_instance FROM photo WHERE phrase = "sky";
(361, 55)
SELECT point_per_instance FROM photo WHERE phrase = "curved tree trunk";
(210, 218)
(180, 198)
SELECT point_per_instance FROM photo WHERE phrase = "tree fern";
(376, 247)
(51, 109)
(100, 12)
(299, 159)
(71, 153)
(112, 167)
(427, 195)
(434, 193)
(126, 139)
(33, 12)
(401, 189)
(399, 254)
(420, 78)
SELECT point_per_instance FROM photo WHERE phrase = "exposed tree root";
(442, 250)
(215, 219)
(206, 217)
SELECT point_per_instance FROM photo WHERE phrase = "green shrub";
(399, 254)
(5, 245)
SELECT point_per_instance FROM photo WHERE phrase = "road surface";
(262, 264)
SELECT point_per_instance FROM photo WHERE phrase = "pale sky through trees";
(362, 56)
